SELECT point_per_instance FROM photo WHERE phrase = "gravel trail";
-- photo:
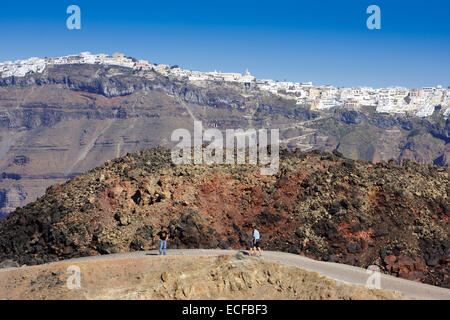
(340, 272)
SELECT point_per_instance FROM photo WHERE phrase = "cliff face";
(72, 118)
(318, 204)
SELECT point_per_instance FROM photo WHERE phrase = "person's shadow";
(152, 254)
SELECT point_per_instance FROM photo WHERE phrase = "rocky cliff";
(72, 118)
(318, 204)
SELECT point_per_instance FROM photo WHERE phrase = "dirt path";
(340, 272)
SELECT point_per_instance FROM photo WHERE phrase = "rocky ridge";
(71, 118)
(318, 204)
(180, 278)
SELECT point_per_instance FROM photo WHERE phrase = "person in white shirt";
(256, 241)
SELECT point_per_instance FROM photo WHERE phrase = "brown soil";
(200, 277)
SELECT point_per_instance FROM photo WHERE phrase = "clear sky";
(323, 41)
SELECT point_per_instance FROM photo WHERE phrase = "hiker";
(163, 237)
(256, 241)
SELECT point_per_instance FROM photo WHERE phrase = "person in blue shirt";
(256, 241)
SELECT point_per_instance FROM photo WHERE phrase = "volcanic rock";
(401, 221)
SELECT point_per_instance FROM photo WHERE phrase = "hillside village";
(420, 102)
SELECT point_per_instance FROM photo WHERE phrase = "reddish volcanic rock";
(405, 267)
(389, 261)
(318, 205)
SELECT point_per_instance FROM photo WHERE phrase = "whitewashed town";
(420, 101)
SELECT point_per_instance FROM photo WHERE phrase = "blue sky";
(326, 42)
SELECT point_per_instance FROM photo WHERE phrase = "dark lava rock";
(121, 206)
